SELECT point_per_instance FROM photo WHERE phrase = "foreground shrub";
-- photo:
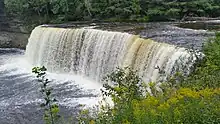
(51, 108)
(182, 105)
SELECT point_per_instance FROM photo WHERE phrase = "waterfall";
(94, 53)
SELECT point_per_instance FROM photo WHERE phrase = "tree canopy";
(118, 10)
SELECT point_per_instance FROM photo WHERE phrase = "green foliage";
(51, 109)
(125, 88)
(206, 74)
(58, 11)
(181, 106)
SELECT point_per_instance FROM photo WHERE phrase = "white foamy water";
(70, 89)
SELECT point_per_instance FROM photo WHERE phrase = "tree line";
(49, 11)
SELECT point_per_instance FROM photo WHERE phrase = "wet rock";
(13, 40)
(11, 33)
(5, 41)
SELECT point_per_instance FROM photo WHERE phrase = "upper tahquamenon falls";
(77, 60)
(94, 53)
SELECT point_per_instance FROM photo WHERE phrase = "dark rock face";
(10, 39)
(13, 40)
(11, 36)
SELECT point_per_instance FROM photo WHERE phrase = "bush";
(174, 105)
(182, 106)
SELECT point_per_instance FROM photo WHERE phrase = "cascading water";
(72, 55)
(94, 53)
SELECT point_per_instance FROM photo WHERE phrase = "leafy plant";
(51, 109)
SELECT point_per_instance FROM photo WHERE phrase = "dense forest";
(55, 11)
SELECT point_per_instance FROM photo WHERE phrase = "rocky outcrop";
(11, 35)
(13, 40)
